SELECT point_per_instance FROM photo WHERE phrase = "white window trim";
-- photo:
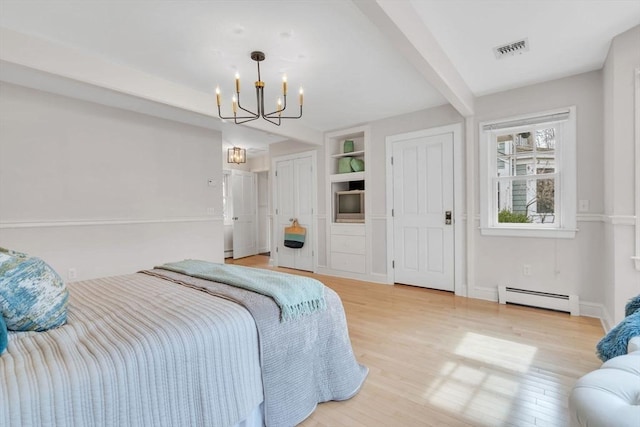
(566, 180)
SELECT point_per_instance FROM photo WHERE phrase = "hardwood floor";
(436, 359)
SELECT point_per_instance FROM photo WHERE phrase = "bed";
(162, 348)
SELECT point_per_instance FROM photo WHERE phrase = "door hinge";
(393, 212)
(313, 253)
(276, 173)
(276, 211)
(276, 249)
(391, 160)
(393, 264)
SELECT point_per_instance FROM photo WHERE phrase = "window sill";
(549, 233)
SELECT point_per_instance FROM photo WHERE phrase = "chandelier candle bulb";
(284, 84)
(279, 106)
(218, 95)
(237, 83)
(301, 96)
(234, 105)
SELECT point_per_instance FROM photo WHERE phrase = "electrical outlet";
(526, 270)
(72, 274)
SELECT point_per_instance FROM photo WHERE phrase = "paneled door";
(243, 193)
(423, 210)
(294, 199)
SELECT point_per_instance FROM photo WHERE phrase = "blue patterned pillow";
(3, 335)
(32, 295)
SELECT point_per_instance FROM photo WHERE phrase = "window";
(529, 175)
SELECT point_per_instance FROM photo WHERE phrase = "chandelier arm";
(245, 110)
(271, 116)
(270, 120)
(244, 121)
(251, 117)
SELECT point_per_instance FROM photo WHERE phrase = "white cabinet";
(348, 244)
(348, 248)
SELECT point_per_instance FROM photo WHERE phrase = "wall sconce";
(236, 155)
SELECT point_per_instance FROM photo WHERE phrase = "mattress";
(136, 350)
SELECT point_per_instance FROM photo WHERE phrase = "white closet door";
(294, 184)
(244, 214)
(422, 196)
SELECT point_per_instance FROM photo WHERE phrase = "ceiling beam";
(399, 21)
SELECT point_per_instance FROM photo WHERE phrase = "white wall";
(376, 159)
(103, 190)
(568, 266)
(565, 266)
(621, 280)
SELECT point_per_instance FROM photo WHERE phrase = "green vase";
(348, 146)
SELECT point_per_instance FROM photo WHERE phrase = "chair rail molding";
(87, 222)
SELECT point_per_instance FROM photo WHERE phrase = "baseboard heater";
(566, 303)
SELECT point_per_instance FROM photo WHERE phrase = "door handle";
(447, 217)
(290, 219)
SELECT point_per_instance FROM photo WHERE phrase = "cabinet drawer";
(348, 262)
(348, 229)
(348, 244)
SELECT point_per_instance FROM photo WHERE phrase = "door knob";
(447, 217)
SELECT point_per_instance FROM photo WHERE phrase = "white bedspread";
(136, 351)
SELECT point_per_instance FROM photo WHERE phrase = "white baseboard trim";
(380, 278)
(606, 320)
(461, 290)
(375, 278)
(591, 309)
(484, 293)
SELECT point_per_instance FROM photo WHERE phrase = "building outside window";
(528, 186)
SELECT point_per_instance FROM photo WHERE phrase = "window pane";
(524, 143)
(544, 167)
(503, 166)
(504, 150)
(525, 166)
(525, 200)
(546, 139)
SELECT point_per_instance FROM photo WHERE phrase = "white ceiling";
(351, 69)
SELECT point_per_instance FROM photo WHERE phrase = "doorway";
(243, 194)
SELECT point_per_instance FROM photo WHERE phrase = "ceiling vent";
(512, 49)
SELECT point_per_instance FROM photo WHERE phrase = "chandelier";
(236, 155)
(246, 115)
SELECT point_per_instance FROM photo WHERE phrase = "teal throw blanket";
(295, 295)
